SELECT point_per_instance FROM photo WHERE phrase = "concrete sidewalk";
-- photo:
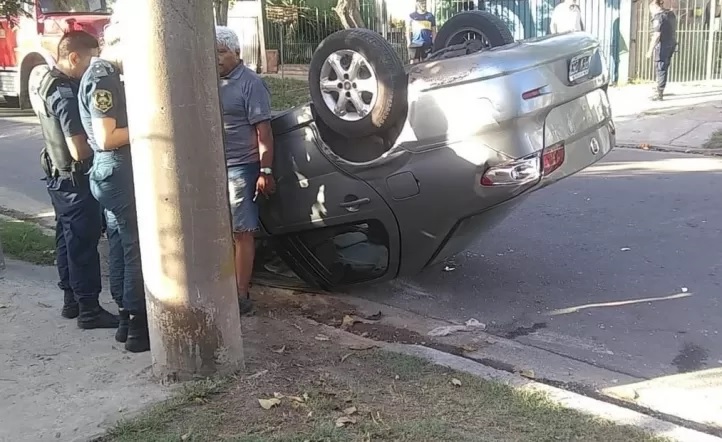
(684, 121)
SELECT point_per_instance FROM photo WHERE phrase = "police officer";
(663, 44)
(66, 160)
(103, 113)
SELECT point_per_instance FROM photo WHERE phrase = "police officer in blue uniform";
(66, 159)
(663, 44)
(103, 112)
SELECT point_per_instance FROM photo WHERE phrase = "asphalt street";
(618, 266)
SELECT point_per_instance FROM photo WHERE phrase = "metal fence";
(247, 30)
(295, 30)
(699, 40)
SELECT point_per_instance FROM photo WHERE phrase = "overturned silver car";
(392, 169)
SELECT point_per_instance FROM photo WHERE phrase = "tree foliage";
(13, 8)
(349, 11)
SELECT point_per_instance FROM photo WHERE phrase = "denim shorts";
(242, 191)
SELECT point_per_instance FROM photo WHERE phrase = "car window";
(350, 254)
(62, 6)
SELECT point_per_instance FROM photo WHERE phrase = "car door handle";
(358, 202)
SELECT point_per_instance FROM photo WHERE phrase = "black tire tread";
(501, 36)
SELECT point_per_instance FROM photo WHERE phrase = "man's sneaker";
(70, 306)
(138, 336)
(93, 316)
(245, 305)
(121, 335)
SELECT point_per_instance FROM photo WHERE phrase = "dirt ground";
(61, 383)
(318, 386)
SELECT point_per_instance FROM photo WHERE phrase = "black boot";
(92, 316)
(245, 305)
(138, 338)
(70, 306)
(121, 335)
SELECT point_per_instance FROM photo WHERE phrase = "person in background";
(66, 159)
(248, 144)
(566, 17)
(422, 27)
(663, 43)
(103, 111)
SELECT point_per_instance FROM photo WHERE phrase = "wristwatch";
(266, 171)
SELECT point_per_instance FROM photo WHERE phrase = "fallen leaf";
(344, 420)
(280, 350)
(684, 290)
(449, 268)
(625, 249)
(447, 330)
(306, 397)
(186, 436)
(475, 324)
(346, 356)
(297, 399)
(258, 375)
(350, 410)
(278, 395)
(267, 404)
(44, 305)
(469, 348)
(455, 382)
(361, 347)
(375, 317)
(322, 338)
(528, 374)
(350, 320)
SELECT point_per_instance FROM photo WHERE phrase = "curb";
(567, 399)
(670, 149)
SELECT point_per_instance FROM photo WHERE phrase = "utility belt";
(77, 170)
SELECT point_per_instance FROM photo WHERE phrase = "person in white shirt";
(566, 17)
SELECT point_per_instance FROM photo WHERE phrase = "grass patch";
(394, 398)
(287, 93)
(714, 141)
(26, 241)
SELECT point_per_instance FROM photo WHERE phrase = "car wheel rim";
(349, 85)
(468, 34)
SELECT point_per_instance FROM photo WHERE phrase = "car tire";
(36, 75)
(482, 23)
(358, 84)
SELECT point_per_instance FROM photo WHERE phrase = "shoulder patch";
(102, 100)
(65, 91)
(100, 70)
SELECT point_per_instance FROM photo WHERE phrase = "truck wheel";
(473, 25)
(357, 82)
(36, 74)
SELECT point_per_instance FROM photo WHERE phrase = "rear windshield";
(75, 6)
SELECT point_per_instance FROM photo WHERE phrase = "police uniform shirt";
(101, 96)
(665, 22)
(62, 104)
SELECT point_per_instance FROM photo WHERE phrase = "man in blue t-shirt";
(422, 26)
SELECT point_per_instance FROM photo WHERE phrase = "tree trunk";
(221, 9)
(349, 12)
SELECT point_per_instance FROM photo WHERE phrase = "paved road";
(619, 266)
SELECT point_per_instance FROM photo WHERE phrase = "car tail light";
(533, 93)
(552, 158)
(514, 173)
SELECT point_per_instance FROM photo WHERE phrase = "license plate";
(579, 67)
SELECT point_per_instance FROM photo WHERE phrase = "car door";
(330, 227)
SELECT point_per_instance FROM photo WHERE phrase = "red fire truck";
(28, 43)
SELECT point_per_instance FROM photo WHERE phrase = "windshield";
(75, 6)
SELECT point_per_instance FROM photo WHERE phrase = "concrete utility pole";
(180, 180)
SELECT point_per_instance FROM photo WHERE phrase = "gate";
(698, 55)
(295, 28)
